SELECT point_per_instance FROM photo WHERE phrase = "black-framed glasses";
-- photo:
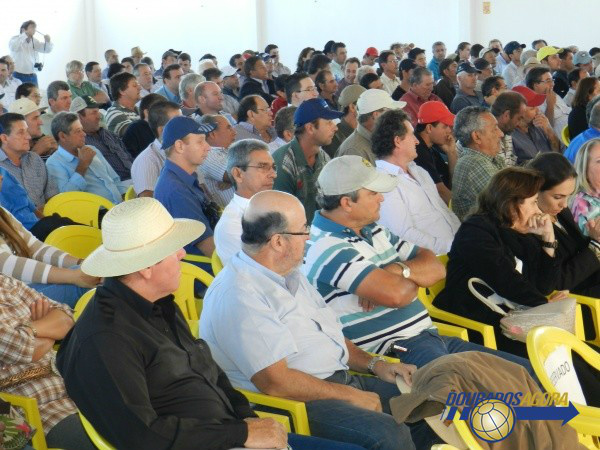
(308, 89)
(306, 232)
(265, 168)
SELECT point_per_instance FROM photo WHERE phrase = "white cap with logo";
(350, 173)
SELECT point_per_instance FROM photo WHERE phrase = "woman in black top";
(580, 268)
(587, 89)
(502, 245)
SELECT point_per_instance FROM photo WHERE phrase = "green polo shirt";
(295, 176)
(86, 88)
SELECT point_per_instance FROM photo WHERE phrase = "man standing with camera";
(25, 49)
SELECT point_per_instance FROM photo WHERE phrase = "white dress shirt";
(228, 231)
(414, 210)
(25, 54)
(389, 84)
(561, 115)
(9, 89)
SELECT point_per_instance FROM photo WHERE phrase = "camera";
(39, 66)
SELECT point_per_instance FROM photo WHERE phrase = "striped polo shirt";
(337, 260)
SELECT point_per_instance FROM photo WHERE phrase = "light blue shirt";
(253, 318)
(100, 178)
(169, 95)
(434, 66)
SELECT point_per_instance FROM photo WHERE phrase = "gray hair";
(210, 119)
(593, 118)
(73, 66)
(54, 87)
(467, 121)
(581, 165)
(256, 233)
(417, 75)
(238, 155)
(284, 120)
(331, 202)
(363, 70)
(62, 122)
(137, 67)
(191, 79)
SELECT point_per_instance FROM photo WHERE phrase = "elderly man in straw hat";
(131, 364)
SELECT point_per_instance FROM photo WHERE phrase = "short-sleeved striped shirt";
(337, 260)
(118, 118)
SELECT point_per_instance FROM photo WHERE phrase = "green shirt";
(86, 88)
(472, 174)
(296, 177)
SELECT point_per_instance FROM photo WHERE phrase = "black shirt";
(433, 162)
(398, 92)
(577, 121)
(139, 376)
(137, 137)
(561, 83)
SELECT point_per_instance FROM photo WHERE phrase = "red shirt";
(277, 104)
(414, 102)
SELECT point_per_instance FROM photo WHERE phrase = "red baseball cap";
(372, 51)
(430, 112)
(531, 97)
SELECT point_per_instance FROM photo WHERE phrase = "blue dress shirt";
(582, 138)
(13, 198)
(169, 95)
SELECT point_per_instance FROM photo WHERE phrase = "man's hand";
(388, 371)
(558, 295)
(541, 121)
(85, 155)
(450, 145)
(47, 37)
(551, 98)
(364, 399)
(365, 304)
(265, 433)
(46, 145)
(40, 308)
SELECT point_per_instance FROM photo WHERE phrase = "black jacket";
(138, 375)
(253, 87)
(482, 249)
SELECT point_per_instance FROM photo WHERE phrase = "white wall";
(83, 29)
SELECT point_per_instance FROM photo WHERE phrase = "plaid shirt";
(472, 173)
(16, 352)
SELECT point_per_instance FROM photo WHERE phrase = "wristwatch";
(372, 363)
(405, 269)
(547, 244)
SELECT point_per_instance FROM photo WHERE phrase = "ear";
(146, 273)
(346, 204)
(236, 173)
(288, 135)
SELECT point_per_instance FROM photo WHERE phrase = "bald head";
(274, 230)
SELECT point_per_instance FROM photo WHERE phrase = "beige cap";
(350, 173)
(24, 106)
(350, 94)
(374, 99)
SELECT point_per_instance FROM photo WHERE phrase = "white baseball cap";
(350, 173)
(374, 99)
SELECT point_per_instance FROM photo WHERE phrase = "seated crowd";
(327, 194)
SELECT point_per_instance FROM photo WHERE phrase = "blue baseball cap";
(179, 127)
(313, 109)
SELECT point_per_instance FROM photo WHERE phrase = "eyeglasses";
(550, 80)
(265, 168)
(308, 89)
(262, 109)
(306, 232)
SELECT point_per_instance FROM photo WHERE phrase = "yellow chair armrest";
(451, 330)
(197, 258)
(486, 331)
(193, 324)
(32, 415)
(284, 420)
(98, 441)
(296, 409)
(594, 305)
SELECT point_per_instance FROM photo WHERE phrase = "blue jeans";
(341, 421)
(429, 345)
(299, 442)
(26, 77)
(62, 293)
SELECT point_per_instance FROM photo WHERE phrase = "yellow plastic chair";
(77, 240)
(32, 415)
(130, 193)
(82, 303)
(594, 305)
(427, 295)
(190, 305)
(82, 207)
(216, 263)
(565, 135)
(198, 258)
(465, 434)
(541, 342)
(97, 440)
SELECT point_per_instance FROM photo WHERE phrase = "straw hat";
(137, 234)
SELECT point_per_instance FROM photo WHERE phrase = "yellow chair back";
(130, 193)
(190, 305)
(82, 207)
(216, 263)
(97, 440)
(541, 342)
(77, 240)
(32, 415)
(82, 303)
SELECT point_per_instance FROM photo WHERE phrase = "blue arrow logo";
(564, 413)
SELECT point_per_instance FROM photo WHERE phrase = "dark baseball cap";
(313, 109)
(512, 46)
(179, 127)
(466, 67)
